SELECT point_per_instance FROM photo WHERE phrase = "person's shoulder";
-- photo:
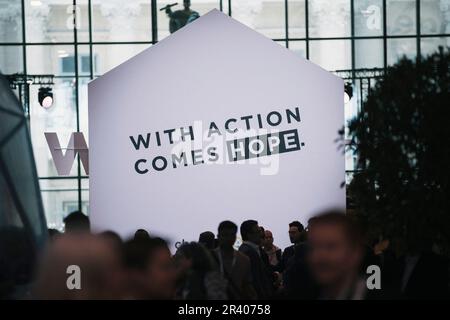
(247, 250)
(243, 248)
(289, 249)
(242, 257)
(178, 14)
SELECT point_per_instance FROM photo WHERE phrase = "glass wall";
(78, 40)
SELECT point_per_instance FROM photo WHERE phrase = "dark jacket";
(261, 276)
(429, 278)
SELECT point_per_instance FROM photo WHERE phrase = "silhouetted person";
(273, 252)
(150, 269)
(261, 276)
(297, 279)
(424, 274)
(141, 234)
(77, 221)
(263, 254)
(273, 272)
(115, 240)
(296, 236)
(207, 239)
(198, 278)
(233, 265)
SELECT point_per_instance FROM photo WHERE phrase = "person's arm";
(248, 291)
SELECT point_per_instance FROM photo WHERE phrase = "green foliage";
(402, 139)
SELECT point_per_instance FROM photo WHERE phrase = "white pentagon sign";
(214, 122)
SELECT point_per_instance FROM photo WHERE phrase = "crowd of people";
(328, 259)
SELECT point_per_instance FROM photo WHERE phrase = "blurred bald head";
(98, 261)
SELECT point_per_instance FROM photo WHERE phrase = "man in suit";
(233, 265)
(297, 236)
(261, 275)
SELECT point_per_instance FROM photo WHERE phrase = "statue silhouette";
(180, 18)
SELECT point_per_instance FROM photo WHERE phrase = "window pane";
(199, 6)
(296, 19)
(51, 59)
(266, 17)
(368, 17)
(85, 195)
(110, 56)
(83, 107)
(47, 21)
(11, 59)
(401, 17)
(339, 60)
(60, 118)
(83, 20)
(398, 48)
(128, 20)
(369, 53)
(329, 18)
(431, 45)
(11, 21)
(434, 17)
(84, 61)
(60, 197)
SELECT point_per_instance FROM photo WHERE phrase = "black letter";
(227, 125)
(247, 121)
(136, 166)
(164, 163)
(197, 157)
(290, 114)
(176, 159)
(213, 129)
(169, 133)
(212, 153)
(137, 144)
(273, 124)
(190, 133)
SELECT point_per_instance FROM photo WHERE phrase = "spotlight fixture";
(348, 92)
(45, 97)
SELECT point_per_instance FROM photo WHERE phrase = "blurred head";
(78, 222)
(100, 273)
(150, 268)
(227, 234)
(187, 4)
(141, 234)
(251, 232)
(262, 234)
(207, 239)
(114, 239)
(335, 248)
(192, 257)
(268, 239)
(296, 230)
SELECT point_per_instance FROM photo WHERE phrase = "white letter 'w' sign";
(64, 161)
